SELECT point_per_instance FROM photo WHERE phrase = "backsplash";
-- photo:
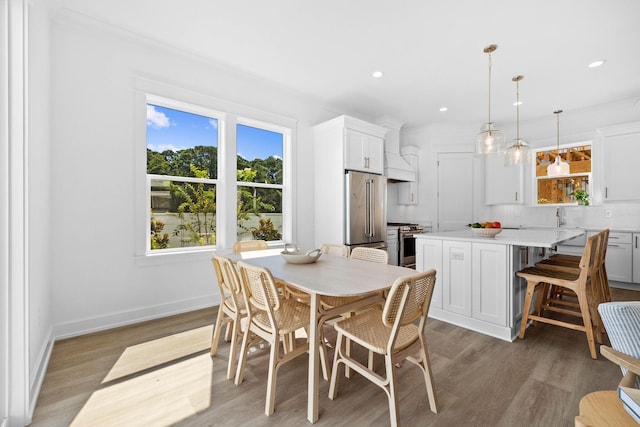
(624, 216)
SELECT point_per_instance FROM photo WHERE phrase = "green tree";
(197, 209)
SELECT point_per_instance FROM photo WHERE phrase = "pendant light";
(559, 167)
(491, 140)
(520, 152)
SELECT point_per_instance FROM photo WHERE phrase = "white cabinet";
(636, 257)
(502, 184)
(363, 152)
(621, 148)
(428, 256)
(471, 279)
(336, 144)
(456, 277)
(489, 283)
(619, 257)
(408, 191)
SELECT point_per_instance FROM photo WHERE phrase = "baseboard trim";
(41, 371)
(114, 320)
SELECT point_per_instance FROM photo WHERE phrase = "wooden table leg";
(314, 361)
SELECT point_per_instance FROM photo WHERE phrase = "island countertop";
(537, 237)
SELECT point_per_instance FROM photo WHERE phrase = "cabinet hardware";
(613, 246)
(636, 242)
(516, 196)
(606, 192)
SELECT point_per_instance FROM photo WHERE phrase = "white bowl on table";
(486, 232)
(293, 255)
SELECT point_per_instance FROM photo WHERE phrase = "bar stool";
(581, 281)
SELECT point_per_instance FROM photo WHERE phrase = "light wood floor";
(159, 373)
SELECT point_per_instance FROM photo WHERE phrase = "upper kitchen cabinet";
(408, 191)
(502, 184)
(621, 148)
(363, 152)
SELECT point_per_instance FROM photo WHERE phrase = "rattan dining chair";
(334, 249)
(249, 245)
(231, 310)
(396, 332)
(583, 282)
(370, 254)
(270, 318)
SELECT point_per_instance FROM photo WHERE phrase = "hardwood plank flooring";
(160, 373)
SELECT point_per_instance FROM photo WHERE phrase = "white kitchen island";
(476, 286)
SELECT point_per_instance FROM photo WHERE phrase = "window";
(196, 197)
(563, 190)
(260, 177)
(182, 164)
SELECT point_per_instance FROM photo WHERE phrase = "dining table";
(328, 276)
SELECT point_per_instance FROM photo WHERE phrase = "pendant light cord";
(557, 113)
(489, 97)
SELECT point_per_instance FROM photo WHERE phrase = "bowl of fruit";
(486, 229)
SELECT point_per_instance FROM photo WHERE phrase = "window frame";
(535, 178)
(228, 114)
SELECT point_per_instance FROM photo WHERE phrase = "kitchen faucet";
(559, 216)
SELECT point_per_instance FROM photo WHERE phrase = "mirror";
(560, 190)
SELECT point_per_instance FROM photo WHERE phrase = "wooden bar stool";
(581, 281)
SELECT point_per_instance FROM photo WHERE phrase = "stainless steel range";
(407, 242)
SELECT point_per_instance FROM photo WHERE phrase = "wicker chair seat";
(368, 330)
(291, 316)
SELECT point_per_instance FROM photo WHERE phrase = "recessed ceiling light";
(377, 74)
(597, 63)
(443, 109)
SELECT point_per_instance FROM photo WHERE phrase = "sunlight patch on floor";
(159, 398)
(138, 358)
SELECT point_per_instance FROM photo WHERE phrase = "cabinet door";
(502, 184)
(621, 172)
(408, 191)
(363, 152)
(618, 261)
(456, 277)
(428, 256)
(489, 289)
(636, 257)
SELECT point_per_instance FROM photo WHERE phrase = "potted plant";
(581, 196)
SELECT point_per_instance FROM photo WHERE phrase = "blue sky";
(175, 130)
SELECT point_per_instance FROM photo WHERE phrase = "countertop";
(537, 237)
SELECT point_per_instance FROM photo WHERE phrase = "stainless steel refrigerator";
(366, 210)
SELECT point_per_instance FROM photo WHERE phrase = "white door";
(455, 190)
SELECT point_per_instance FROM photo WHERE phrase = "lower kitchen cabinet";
(489, 283)
(619, 256)
(471, 279)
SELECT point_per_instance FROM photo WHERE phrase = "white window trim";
(228, 114)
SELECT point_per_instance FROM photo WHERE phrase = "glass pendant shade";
(558, 168)
(518, 154)
(490, 141)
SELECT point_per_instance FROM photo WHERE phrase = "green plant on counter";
(581, 196)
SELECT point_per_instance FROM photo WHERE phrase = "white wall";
(98, 280)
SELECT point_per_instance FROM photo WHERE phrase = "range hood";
(395, 167)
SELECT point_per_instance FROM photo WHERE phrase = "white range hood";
(395, 167)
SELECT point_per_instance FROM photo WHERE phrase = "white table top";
(537, 237)
(329, 275)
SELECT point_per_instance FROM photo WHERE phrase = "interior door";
(455, 190)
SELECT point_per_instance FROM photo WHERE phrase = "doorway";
(455, 190)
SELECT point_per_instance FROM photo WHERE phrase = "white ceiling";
(430, 51)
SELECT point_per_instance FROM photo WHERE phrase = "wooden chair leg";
(531, 287)
(271, 381)
(333, 385)
(588, 325)
(216, 332)
(392, 393)
(233, 352)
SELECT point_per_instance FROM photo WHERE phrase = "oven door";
(407, 249)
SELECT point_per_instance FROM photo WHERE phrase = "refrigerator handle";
(371, 206)
(367, 205)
